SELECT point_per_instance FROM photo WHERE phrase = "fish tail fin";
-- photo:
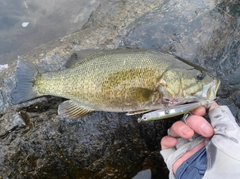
(25, 77)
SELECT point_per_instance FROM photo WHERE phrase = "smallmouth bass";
(122, 80)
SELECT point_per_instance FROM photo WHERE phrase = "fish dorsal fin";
(80, 57)
(137, 112)
(73, 109)
(142, 94)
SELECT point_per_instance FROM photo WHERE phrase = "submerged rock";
(37, 143)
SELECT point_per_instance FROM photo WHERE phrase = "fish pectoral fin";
(137, 112)
(73, 109)
(141, 94)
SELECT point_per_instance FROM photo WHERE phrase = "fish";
(133, 81)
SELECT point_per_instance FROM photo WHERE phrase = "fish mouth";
(210, 90)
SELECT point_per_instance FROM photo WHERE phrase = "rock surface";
(36, 143)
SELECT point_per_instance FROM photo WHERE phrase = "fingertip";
(168, 142)
(200, 111)
(214, 105)
(206, 130)
(200, 125)
(180, 129)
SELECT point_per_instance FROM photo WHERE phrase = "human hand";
(194, 123)
(223, 126)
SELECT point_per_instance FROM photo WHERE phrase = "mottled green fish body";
(122, 80)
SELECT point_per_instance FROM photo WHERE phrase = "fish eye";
(200, 76)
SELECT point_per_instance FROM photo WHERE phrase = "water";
(26, 24)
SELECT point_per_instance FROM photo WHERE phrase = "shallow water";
(26, 24)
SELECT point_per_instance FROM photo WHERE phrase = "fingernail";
(206, 130)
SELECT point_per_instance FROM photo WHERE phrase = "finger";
(214, 105)
(180, 129)
(200, 125)
(199, 111)
(168, 142)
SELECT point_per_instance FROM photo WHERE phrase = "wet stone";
(237, 100)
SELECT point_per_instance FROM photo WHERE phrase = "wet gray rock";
(36, 143)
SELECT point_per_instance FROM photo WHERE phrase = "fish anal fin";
(73, 109)
(137, 112)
